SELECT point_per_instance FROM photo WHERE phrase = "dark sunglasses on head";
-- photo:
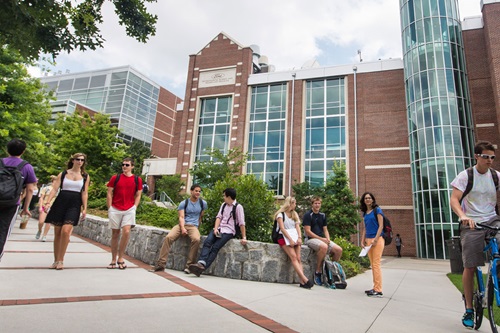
(486, 156)
(79, 159)
(125, 164)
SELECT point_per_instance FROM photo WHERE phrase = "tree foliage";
(24, 109)
(253, 195)
(340, 204)
(93, 136)
(171, 185)
(303, 192)
(46, 26)
(139, 152)
(208, 172)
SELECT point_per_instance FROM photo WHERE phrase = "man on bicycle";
(477, 206)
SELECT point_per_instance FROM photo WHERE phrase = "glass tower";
(439, 119)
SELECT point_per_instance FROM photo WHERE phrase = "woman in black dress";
(72, 199)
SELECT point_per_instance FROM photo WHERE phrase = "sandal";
(112, 265)
(121, 265)
(60, 266)
(54, 265)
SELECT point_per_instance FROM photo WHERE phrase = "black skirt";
(66, 209)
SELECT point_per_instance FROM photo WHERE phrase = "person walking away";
(230, 215)
(123, 198)
(399, 242)
(42, 214)
(477, 206)
(9, 205)
(372, 237)
(290, 238)
(318, 237)
(190, 215)
(64, 214)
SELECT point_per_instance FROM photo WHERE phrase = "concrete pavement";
(418, 297)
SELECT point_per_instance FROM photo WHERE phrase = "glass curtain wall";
(266, 141)
(325, 128)
(213, 130)
(439, 119)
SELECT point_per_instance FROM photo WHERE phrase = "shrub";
(99, 203)
(160, 217)
(352, 263)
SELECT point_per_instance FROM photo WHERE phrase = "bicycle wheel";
(477, 301)
(491, 304)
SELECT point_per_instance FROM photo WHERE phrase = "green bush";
(253, 195)
(99, 203)
(352, 263)
(149, 214)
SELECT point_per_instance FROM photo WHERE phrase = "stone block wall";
(256, 261)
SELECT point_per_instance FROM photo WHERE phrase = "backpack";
(333, 275)
(276, 229)
(11, 183)
(145, 188)
(186, 204)
(63, 174)
(386, 229)
(233, 215)
(135, 177)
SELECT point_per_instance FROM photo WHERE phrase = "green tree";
(257, 201)
(24, 110)
(303, 192)
(139, 152)
(339, 203)
(94, 136)
(48, 26)
(207, 173)
(171, 185)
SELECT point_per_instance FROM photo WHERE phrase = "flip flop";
(112, 265)
(121, 265)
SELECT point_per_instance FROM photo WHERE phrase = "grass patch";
(456, 279)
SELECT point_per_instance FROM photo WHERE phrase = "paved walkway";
(86, 296)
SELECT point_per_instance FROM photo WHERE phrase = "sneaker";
(187, 271)
(368, 291)
(196, 269)
(44, 238)
(38, 234)
(317, 279)
(468, 318)
(157, 268)
(373, 293)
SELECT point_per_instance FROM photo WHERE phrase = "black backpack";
(276, 229)
(233, 215)
(186, 204)
(386, 229)
(11, 183)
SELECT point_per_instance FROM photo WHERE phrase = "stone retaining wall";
(256, 261)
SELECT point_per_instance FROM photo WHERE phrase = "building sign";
(217, 78)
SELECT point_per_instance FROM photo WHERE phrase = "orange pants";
(375, 256)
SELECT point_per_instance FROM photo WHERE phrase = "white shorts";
(121, 218)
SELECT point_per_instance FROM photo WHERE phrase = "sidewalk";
(85, 296)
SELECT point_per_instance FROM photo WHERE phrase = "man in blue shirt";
(190, 215)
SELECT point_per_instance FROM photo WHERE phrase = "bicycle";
(489, 295)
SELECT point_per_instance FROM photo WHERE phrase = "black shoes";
(373, 293)
(308, 285)
(196, 269)
(157, 268)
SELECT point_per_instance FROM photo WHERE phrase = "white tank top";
(72, 185)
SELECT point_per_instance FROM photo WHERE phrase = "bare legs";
(61, 241)
(41, 221)
(294, 255)
(118, 245)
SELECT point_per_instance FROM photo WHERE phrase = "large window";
(266, 142)
(325, 128)
(213, 130)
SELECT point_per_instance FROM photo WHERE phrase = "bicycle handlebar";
(480, 225)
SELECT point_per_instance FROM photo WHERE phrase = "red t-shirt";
(124, 191)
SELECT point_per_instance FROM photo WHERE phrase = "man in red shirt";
(124, 195)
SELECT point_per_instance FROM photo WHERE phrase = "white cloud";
(289, 32)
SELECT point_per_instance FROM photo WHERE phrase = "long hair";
(70, 161)
(362, 204)
(285, 207)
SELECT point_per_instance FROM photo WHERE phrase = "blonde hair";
(285, 207)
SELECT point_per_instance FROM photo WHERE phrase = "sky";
(289, 32)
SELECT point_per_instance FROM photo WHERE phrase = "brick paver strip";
(194, 290)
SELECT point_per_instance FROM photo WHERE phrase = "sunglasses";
(125, 164)
(79, 159)
(486, 156)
